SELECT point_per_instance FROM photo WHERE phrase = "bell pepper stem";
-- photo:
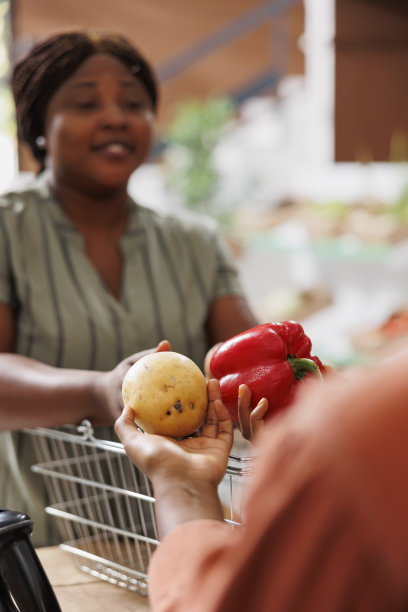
(303, 366)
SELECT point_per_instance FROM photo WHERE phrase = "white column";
(318, 42)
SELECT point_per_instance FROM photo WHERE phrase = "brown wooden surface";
(163, 30)
(77, 591)
(371, 21)
(371, 79)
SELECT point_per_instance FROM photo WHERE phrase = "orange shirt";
(326, 519)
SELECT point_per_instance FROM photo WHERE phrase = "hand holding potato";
(200, 458)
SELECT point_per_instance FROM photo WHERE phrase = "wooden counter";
(77, 591)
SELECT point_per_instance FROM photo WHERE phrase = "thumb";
(125, 422)
(164, 345)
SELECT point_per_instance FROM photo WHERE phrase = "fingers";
(218, 423)
(244, 410)
(213, 390)
(225, 427)
(164, 345)
(125, 426)
(257, 416)
(210, 426)
(251, 421)
(142, 449)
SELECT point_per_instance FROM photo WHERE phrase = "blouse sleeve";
(227, 280)
(310, 541)
(6, 293)
(301, 549)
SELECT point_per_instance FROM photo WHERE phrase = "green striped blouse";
(175, 265)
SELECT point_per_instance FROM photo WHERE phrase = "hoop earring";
(40, 142)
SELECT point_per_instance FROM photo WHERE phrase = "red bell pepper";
(271, 359)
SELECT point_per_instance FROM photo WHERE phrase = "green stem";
(302, 366)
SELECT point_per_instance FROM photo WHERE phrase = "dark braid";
(52, 61)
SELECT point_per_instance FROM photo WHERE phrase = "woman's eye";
(85, 104)
(135, 104)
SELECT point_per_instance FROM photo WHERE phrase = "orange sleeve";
(310, 540)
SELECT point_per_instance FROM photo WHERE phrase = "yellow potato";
(168, 394)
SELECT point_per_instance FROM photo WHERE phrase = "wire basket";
(104, 506)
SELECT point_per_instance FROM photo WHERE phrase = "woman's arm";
(34, 394)
(227, 316)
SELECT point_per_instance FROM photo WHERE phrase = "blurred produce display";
(293, 304)
(340, 268)
(332, 253)
(369, 220)
(391, 331)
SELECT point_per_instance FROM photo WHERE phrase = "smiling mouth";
(114, 148)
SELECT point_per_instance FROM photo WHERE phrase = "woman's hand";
(251, 422)
(200, 458)
(110, 384)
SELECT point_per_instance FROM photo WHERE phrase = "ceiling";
(199, 48)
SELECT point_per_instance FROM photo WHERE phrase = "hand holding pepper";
(251, 422)
(271, 359)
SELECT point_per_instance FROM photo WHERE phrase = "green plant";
(399, 208)
(335, 210)
(190, 140)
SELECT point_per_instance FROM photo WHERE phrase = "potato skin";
(168, 394)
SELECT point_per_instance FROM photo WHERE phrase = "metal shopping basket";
(104, 506)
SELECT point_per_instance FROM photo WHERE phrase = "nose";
(113, 116)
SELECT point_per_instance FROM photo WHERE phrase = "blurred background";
(285, 120)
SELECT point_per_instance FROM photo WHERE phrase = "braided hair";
(51, 62)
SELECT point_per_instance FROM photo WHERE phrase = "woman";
(87, 276)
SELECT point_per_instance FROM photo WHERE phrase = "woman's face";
(99, 126)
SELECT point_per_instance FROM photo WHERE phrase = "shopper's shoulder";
(23, 193)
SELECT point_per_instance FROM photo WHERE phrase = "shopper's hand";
(251, 422)
(202, 458)
(110, 383)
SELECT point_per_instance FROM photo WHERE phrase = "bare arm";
(34, 394)
(228, 316)
(185, 473)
